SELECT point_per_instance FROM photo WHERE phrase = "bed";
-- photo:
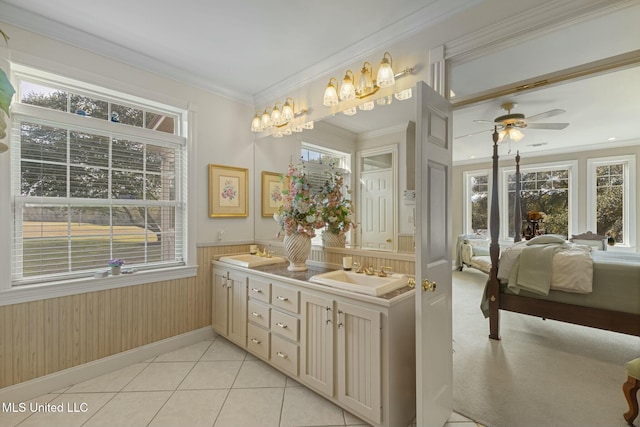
(613, 304)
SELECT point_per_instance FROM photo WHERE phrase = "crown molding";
(432, 14)
(46, 27)
(540, 20)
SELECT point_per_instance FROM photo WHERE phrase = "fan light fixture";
(511, 132)
(366, 86)
(281, 117)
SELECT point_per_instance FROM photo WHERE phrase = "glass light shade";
(287, 131)
(501, 135)
(350, 111)
(297, 128)
(347, 90)
(266, 119)
(256, 124)
(276, 116)
(367, 106)
(385, 76)
(365, 83)
(287, 112)
(385, 100)
(278, 135)
(330, 94)
(403, 94)
(515, 134)
(308, 125)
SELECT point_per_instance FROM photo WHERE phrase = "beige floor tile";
(76, 410)
(191, 353)
(19, 413)
(212, 375)
(258, 374)
(251, 407)
(113, 381)
(130, 409)
(195, 408)
(293, 383)
(250, 356)
(302, 407)
(160, 376)
(221, 349)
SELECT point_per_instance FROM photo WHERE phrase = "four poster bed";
(612, 301)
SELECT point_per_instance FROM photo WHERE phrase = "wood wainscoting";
(42, 337)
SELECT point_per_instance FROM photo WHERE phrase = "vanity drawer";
(284, 324)
(258, 341)
(286, 298)
(258, 313)
(284, 355)
(260, 290)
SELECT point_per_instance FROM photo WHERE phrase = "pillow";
(480, 251)
(546, 238)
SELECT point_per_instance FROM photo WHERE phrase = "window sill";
(27, 293)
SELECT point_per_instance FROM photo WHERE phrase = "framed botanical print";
(228, 191)
(271, 193)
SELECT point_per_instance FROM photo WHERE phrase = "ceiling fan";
(509, 125)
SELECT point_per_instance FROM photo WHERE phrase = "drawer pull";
(254, 314)
(282, 355)
(255, 341)
(281, 325)
(282, 298)
(256, 290)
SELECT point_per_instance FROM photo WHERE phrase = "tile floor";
(210, 383)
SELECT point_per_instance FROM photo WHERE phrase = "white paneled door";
(434, 363)
(377, 217)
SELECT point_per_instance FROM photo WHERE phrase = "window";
(544, 189)
(477, 202)
(95, 175)
(610, 199)
(318, 161)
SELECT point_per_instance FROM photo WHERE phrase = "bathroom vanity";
(356, 350)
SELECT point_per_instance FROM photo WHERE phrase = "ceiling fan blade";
(471, 134)
(546, 114)
(552, 126)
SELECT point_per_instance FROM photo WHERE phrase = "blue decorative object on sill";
(81, 112)
(115, 117)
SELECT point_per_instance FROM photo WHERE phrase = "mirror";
(385, 127)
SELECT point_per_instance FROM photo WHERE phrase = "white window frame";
(629, 198)
(466, 206)
(9, 294)
(570, 165)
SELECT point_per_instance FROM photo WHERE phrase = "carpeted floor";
(541, 373)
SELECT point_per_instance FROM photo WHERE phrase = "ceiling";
(245, 49)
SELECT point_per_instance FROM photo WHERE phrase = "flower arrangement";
(335, 209)
(536, 216)
(116, 262)
(299, 211)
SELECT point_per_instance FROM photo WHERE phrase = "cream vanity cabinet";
(356, 350)
(229, 292)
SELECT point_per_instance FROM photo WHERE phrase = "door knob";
(388, 240)
(428, 285)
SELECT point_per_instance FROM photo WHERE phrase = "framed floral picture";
(271, 193)
(228, 191)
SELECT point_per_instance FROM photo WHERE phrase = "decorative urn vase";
(297, 246)
(333, 240)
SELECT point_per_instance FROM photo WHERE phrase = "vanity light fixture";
(386, 77)
(350, 111)
(279, 117)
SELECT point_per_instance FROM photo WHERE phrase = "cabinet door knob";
(282, 355)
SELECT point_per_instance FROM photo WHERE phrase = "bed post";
(493, 286)
(517, 209)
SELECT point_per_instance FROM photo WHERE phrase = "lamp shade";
(347, 90)
(331, 94)
(515, 134)
(365, 82)
(276, 116)
(256, 124)
(385, 76)
(287, 111)
(266, 119)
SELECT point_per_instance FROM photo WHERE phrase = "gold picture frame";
(271, 193)
(228, 191)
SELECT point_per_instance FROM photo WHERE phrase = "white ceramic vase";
(332, 240)
(297, 247)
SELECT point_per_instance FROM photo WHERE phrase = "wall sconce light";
(366, 86)
(279, 117)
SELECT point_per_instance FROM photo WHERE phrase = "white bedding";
(572, 269)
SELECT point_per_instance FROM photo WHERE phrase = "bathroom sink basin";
(248, 260)
(360, 282)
